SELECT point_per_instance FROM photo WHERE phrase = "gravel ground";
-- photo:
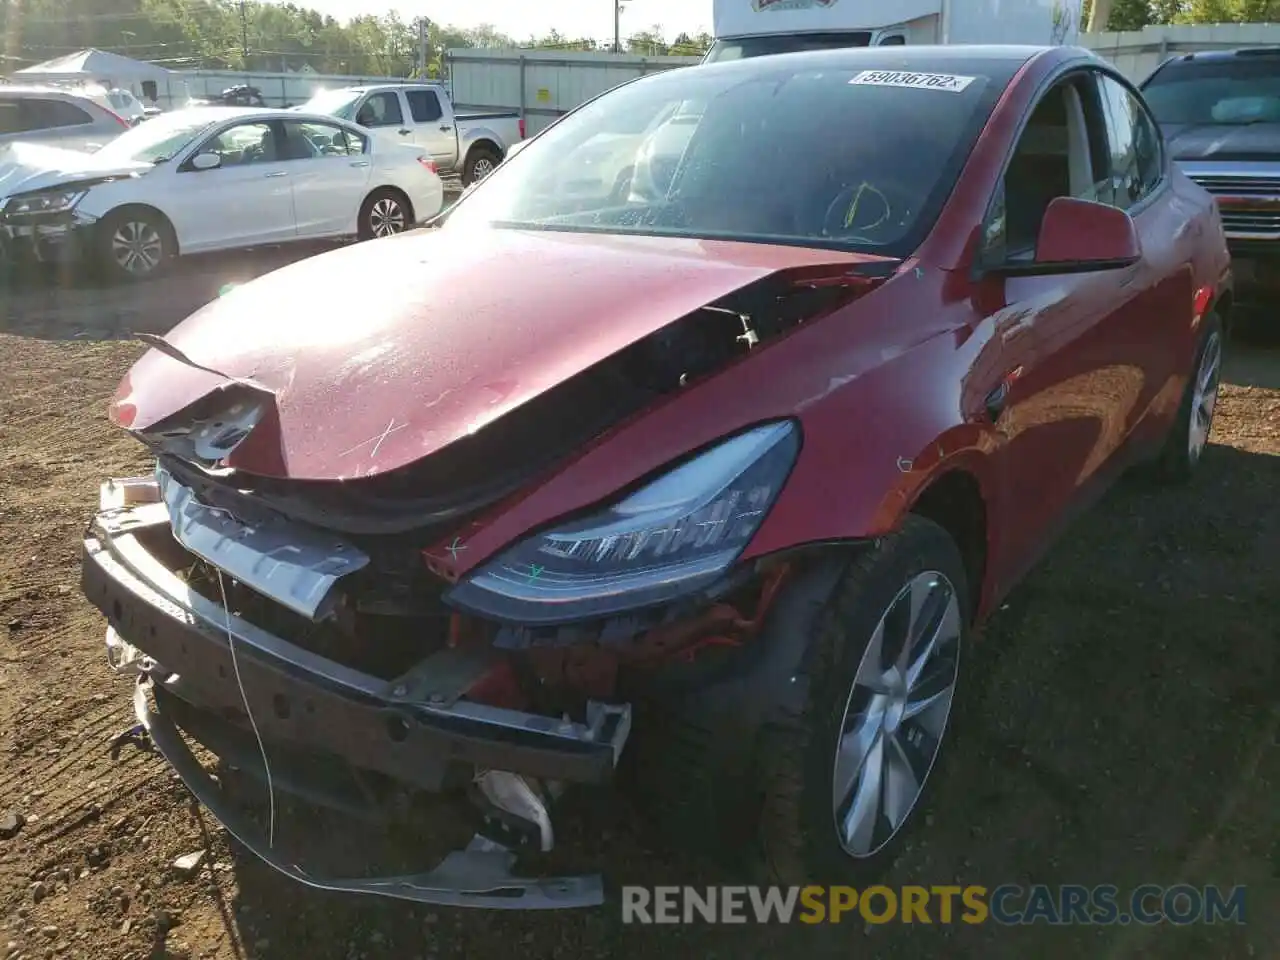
(1120, 724)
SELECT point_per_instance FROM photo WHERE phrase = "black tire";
(1179, 457)
(384, 213)
(746, 765)
(481, 161)
(133, 244)
(796, 752)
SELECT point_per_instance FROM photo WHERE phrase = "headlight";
(53, 201)
(674, 535)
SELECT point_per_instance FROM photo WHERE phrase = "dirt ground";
(1120, 723)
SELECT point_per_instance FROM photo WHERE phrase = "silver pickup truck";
(1219, 112)
(468, 144)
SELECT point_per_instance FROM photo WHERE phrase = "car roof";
(217, 113)
(987, 59)
(1217, 56)
(34, 90)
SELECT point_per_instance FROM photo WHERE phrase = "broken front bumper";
(191, 648)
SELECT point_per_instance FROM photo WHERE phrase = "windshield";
(816, 156)
(1235, 91)
(156, 140)
(333, 103)
(741, 48)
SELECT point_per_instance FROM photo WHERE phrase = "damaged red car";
(681, 459)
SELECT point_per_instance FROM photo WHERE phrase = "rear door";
(1170, 226)
(433, 130)
(329, 172)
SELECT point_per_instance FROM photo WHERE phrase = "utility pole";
(424, 51)
(617, 26)
(244, 34)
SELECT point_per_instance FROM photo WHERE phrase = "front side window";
(243, 144)
(1134, 145)
(700, 153)
(381, 110)
(1061, 152)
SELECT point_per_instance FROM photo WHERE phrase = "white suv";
(57, 118)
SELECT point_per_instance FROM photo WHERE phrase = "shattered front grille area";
(386, 619)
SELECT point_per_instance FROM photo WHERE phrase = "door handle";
(404, 131)
(278, 173)
(359, 163)
(446, 127)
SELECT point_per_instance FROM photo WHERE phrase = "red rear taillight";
(428, 163)
(522, 133)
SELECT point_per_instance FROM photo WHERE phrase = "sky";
(523, 18)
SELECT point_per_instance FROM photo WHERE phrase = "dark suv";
(1220, 114)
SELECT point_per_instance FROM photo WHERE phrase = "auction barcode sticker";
(923, 81)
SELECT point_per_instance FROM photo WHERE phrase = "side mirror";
(1080, 236)
(206, 161)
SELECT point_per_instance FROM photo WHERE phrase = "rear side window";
(43, 114)
(424, 105)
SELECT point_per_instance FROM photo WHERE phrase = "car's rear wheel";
(134, 244)
(1189, 436)
(385, 213)
(842, 778)
(481, 162)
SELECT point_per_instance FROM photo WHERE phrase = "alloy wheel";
(386, 217)
(896, 714)
(481, 169)
(1204, 396)
(137, 247)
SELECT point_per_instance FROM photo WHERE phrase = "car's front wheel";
(134, 244)
(843, 777)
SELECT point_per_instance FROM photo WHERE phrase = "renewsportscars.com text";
(1008, 904)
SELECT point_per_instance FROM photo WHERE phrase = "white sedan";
(211, 178)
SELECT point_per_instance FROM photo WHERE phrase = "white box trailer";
(748, 28)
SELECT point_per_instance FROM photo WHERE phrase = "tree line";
(234, 35)
(1136, 14)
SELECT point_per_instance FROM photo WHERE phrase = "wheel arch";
(152, 211)
(484, 142)
(390, 188)
(954, 500)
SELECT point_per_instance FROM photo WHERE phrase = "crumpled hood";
(32, 166)
(382, 353)
(1218, 141)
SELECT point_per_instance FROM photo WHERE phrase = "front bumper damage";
(65, 237)
(199, 666)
